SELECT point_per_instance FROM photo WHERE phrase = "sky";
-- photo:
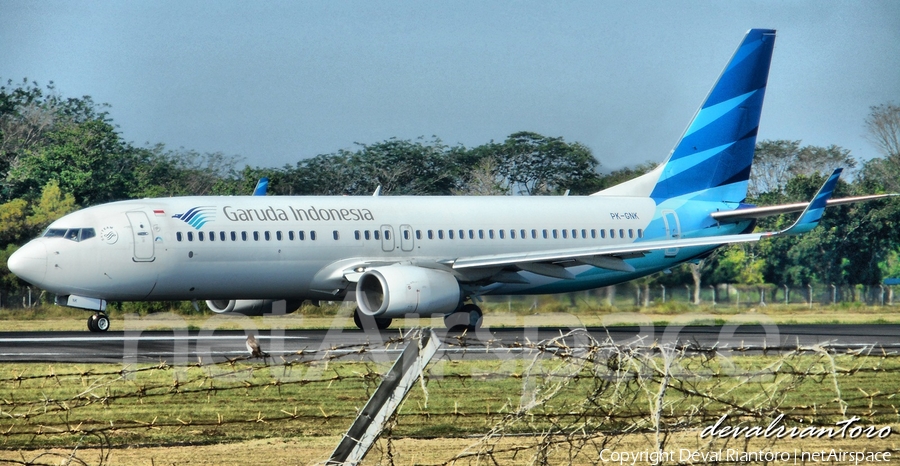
(277, 82)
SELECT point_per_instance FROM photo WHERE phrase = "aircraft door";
(673, 230)
(406, 238)
(387, 238)
(143, 236)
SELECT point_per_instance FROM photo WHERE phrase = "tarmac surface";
(192, 346)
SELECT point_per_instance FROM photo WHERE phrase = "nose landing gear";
(98, 322)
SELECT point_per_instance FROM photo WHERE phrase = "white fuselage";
(300, 247)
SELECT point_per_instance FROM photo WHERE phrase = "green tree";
(534, 164)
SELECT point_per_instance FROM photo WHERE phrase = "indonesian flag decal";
(159, 212)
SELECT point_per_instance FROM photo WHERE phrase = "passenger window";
(545, 234)
(377, 235)
(233, 236)
(301, 235)
(612, 233)
(278, 236)
(512, 234)
(244, 235)
(593, 233)
(462, 234)
(450, 234)
(583, 234)
(406, 235)
(387, 235)
(621, 233)
(336, 235)
(418, 234)
(430, 234)
(356, 235)
(603, 233)
(502, 234)
(565, 233)
(291, 235)
(221, 236)
(212, 236)
(555, 234)
(522, 234)
(267, 236)
(190, 236)
(177, 236)
(367, 235)
(471, 234)
(255, 236)
(440, 234)
(480, 234)
(640, 233)
(630, 233)
(312, 236)
(491, 234)
(533, 234)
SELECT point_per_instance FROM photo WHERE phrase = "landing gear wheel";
(469, 318)
(367, 322)
(98, 323)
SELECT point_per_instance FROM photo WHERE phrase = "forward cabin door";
(143, 236)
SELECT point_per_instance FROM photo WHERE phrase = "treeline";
(58, 154)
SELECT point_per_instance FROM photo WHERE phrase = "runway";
(192, 346)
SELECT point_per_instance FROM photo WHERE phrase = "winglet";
(261, 187)
(810, 217)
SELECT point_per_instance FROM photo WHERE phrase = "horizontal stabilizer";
(750, 213)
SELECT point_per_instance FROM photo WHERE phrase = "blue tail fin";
(713, 158)
(261, 187)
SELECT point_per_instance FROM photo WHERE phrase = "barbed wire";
(649, 390)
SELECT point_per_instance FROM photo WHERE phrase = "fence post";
(809, 286)
(833, 294)
(663, 293)
(787, 294)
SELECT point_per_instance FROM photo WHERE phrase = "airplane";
(424, 255)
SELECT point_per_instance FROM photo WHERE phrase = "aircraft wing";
(553, 263)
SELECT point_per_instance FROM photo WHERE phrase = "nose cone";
(30, 262)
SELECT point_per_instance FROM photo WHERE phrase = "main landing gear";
(469, 318)
(367, 322)
(98, 322)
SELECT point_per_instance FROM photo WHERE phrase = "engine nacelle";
(398, 290)
(252, 307)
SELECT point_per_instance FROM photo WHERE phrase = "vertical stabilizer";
(713, 157)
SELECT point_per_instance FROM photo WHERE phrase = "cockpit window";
(54, 232)
(73, 234)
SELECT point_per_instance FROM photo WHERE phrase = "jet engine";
(253, 307)
(398, 290)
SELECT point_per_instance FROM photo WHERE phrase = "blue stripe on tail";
(716, 151)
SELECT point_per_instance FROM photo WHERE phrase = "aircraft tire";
(469, 318)
(366, 322)
(102, 323)
(98, 323)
